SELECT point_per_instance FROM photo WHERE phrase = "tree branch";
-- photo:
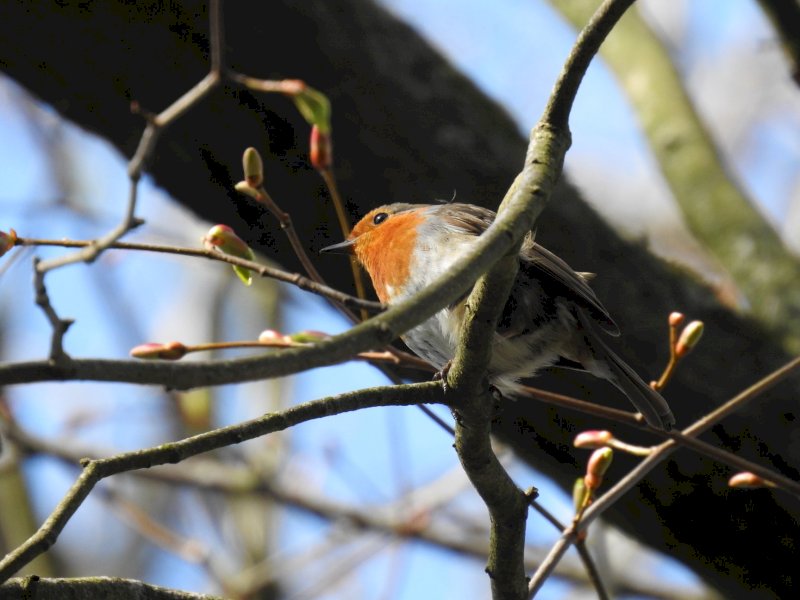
(508, 506)
(96, 470)
(304, 283)
(658, 455)
(525, 200)
(110, 588)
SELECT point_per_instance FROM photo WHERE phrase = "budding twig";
(679, 346)
(262, 270)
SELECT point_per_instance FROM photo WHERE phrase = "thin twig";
(644, 467)
(190, 550)
(285, 221)
(583, 551)
(591, 570)
(216, 34)
(136, 166)
(210, 475)
(338, 205)
(699, 446)
(295, 279)
(58, 325)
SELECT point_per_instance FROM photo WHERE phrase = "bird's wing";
(464, 218)
(543, 277)
(558, 278)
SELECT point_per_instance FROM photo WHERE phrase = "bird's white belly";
(436, 339)
(512, 359)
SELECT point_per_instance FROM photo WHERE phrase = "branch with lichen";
(523, 203)
(47, 588)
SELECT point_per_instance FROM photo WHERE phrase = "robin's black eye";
(380, 218)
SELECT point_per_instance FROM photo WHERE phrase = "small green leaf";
(315, 108)
(246, 275)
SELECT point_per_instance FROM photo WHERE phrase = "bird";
(551, 318)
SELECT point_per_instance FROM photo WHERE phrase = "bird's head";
(383, 242)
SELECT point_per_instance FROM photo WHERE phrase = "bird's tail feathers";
(647, 401)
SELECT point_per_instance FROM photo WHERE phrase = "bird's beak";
(345, 247)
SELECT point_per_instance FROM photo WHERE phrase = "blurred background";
(269, 518)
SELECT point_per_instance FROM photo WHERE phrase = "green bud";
(580, 494)
(309, 337)
(689, 338)
(245, 188)
(253, 167)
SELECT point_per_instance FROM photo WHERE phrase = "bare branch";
(644, 467)
(96, 470)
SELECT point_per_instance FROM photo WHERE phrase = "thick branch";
(110, 588)
(508, 506)
(525, 200)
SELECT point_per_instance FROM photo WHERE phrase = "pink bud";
(168, 351)
(689, 337)
(269, 335)
(321, 149)
(150, 350)
(223, 239)
(597, 466)
(7, 241)
(592, 439)
(676, 319)
(748, 480)
(293, 87)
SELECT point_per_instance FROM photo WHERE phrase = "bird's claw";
(441, 375)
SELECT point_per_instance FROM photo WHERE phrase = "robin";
(552, 316)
